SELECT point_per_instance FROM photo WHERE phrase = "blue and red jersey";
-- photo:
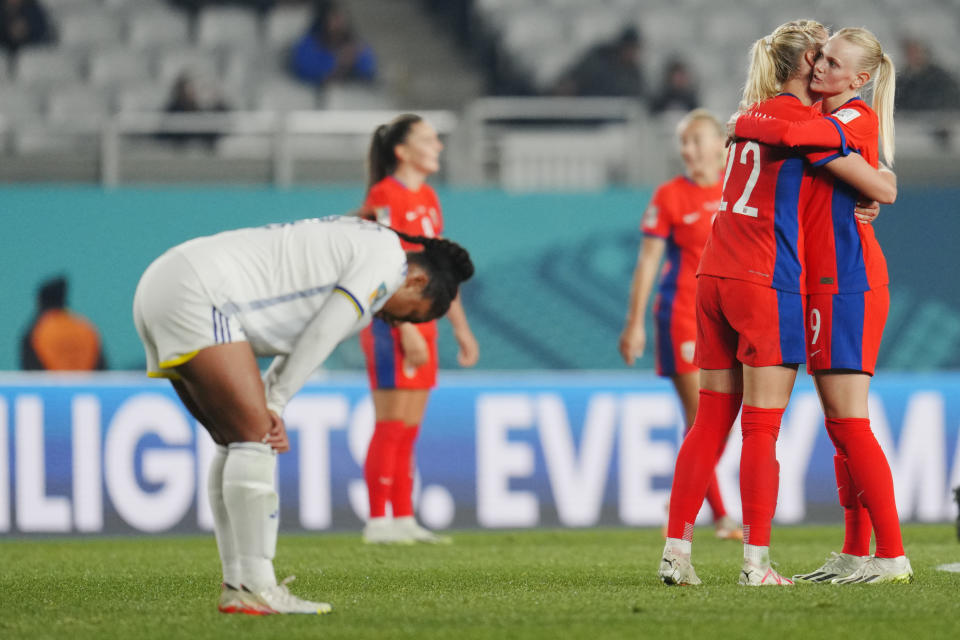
(842, 255)
(681, 212)
(415, 213)
(757, 236)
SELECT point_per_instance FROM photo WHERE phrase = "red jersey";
(416, 213)
(757, 236)
(843, 255)
(681, 212)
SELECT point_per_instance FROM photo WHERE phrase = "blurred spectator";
(23, 23)
(330, 50)
(186, 97)
(678, 91)
(59, 339)
(608, 69)
(922, 84)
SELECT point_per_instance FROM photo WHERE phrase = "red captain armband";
(819, 132)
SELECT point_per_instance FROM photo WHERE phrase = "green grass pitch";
(593, 583)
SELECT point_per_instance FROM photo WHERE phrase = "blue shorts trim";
(384, 350)
(792, 336)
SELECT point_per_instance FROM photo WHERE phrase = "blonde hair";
(698, 115)
(883, 75)
(775, 58)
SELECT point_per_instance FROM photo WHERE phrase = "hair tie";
(768, 43)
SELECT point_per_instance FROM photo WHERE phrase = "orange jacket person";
(59, 339)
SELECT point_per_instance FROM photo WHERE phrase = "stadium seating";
(713, 36)
(88, 29)
(227, 26)
(131, 51)
(156, 26)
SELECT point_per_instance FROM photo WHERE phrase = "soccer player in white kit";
(207, 308)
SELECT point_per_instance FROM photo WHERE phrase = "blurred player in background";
(60, 339)
(207, 308)
(750, 318)
(677, 222)
(848, 298)
(402, 360)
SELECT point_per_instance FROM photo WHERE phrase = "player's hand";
(866, 211)
(632, 342)
(732, 129)
(416, 352)
(277, 435)
(469, 350)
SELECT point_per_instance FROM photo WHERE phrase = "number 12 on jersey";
(749, 153)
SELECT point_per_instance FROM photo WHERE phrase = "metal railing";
(536, 143)
(279, 128)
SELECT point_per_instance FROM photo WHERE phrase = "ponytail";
(882, 73)
(776, 58)
(761, 75)
(883, 92)
(381, 157)
(447, 264)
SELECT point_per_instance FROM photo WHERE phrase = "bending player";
(677, 222)
(848, 299)
(402, 360)
(207, 308)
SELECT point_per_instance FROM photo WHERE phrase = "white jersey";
(274, 279)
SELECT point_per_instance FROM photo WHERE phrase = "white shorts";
(175, 317)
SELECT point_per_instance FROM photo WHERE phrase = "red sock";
(714, 499)
(857, 527)
(401, 494)
(759, 472)
(697, 458)
(871, 476)
(379, 466)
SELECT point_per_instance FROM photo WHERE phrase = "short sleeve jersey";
(843, 255)
(415, 213)
(757, 236)
(681, 212)
(275, 279)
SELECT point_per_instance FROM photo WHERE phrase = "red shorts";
(676, 336)
(739, 321)
(844, 329)
(384, 355)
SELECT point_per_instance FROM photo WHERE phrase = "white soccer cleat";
(838, 565)
(881, 570)
(279, 600)
(408, 526)
(726, 528)
(754, 575)
(385, 531)
(676, 568)
(233, 600)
